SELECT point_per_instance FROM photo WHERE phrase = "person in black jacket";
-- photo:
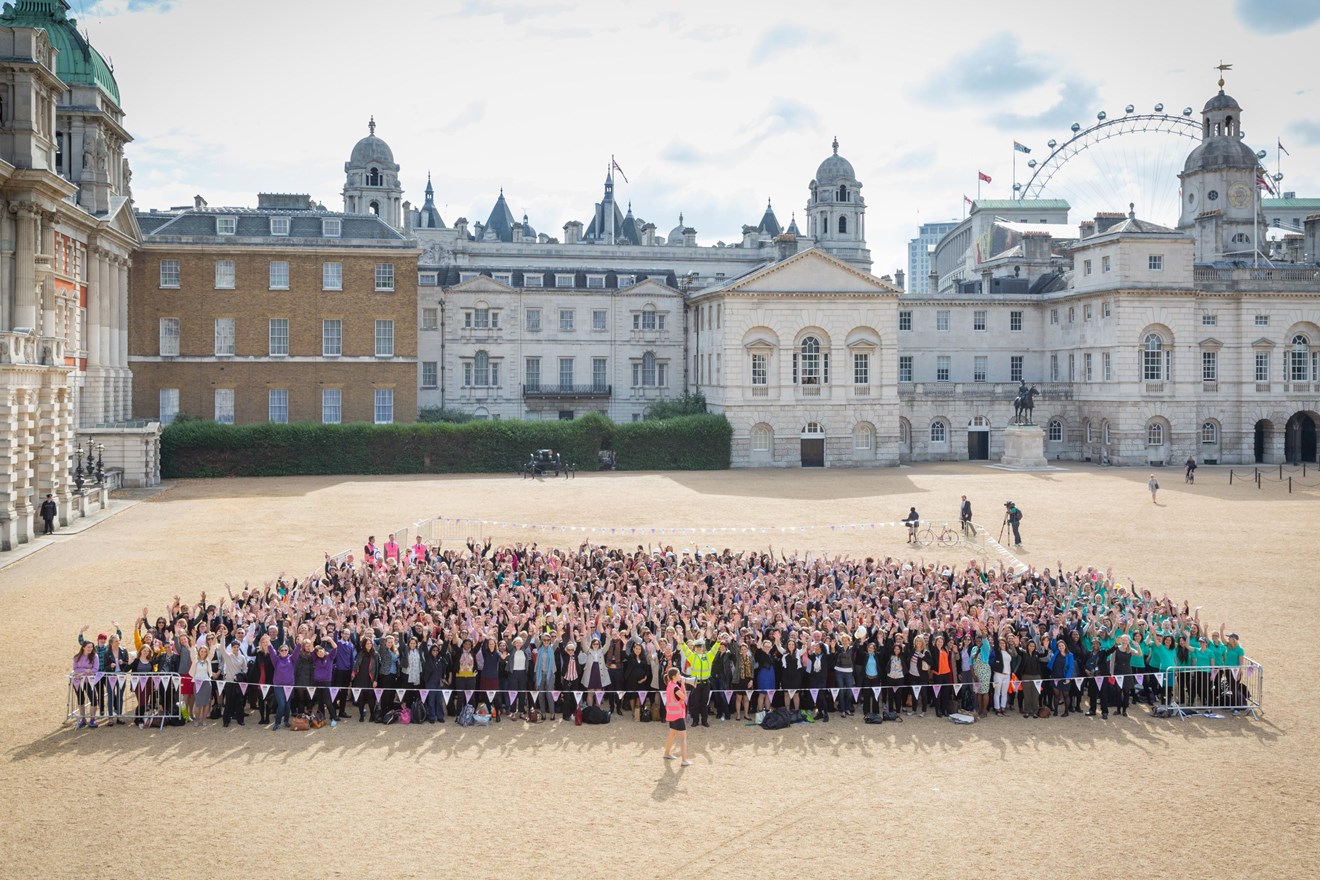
(1116, 667)
(435, 677)
(366, 672)
(48, 514)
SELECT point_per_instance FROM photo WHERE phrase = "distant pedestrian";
(1191, 469)
(913, 521)
(48, 513)
(676, 715)
(965, 515)
(1154, 486)
(1014, 518)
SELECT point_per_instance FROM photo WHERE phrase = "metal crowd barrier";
(151, 698)
(1190, 690)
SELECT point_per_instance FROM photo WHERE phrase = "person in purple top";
(85, 666)
(343, 672)
(282, 661)
(323, 670)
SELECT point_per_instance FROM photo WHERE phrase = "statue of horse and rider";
(1024, 403)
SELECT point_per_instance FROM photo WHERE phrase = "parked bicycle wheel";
(925, 536)
(948, 537)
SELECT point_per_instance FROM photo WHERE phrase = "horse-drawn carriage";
(546, 461)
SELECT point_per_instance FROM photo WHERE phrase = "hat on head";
(1232, 635)
(699, 640)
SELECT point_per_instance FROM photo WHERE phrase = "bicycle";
(947, 536)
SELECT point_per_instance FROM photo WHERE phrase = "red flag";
(618, 169)
(1283, 149)
(967, 200)
(1261, 181)
(981, 175)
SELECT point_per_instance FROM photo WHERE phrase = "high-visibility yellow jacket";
(699, 664)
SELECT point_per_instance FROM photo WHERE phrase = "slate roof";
(253, 226)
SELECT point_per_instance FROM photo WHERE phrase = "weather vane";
(1221, 67)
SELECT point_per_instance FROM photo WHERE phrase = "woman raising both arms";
(676, 715)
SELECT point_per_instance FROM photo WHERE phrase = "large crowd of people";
(526, 632)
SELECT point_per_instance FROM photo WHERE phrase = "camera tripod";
(1003, 526)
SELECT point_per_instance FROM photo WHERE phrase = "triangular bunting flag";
(857, 693)
(554, 695)
(1038, 685)
(578, 695)
(813, 692)
(219, 685)
(599, 696)
(513, 697)
(1078, 683)
(311, 692)
(916, 691)
(444, 695)
(399, 692)
(356, 693)
(619, 694)
(834, 693)
(379, 692)
(288, 691)
(490, 695)
(728, 695)
(1159, 678)
(937, 688)
(242, 688)
(1099, 682)
(641, 696)
(957, 687)
(334, 692)
(467, 698)
(265, 689)
(875, 692)
(96, 679)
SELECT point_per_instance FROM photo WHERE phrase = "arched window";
(373, 177)
(375, 208)
(863, 436)
(1299, 359)
(648, 368)
(813, 428)
(843, 193)
(938, 433)
(843, 224)
(1209, 433)
(904, 432)
(481, 369)
(825, 224)
(1153, 358)
(1241, 238)
(1155, 434)
(761, 438)
(1108, 440)
(809, 368)
(1090, 433)
(1056, 431)
(1228, 124)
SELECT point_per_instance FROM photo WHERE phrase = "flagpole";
(1013, 192)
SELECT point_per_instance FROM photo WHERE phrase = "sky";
(710, 108)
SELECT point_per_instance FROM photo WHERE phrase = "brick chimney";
(1086, 229)
(1105, 219)
(900, 279)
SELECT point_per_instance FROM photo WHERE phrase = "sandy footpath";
(1136, 797)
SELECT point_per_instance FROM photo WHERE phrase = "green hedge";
(205, 449)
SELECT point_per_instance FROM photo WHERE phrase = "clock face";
(1239, 195)
(1212, 195)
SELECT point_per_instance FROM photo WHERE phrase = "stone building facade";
(285, 312)
(69, 232)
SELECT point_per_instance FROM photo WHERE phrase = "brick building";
(285, 312)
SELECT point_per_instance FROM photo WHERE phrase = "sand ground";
(1136, 797)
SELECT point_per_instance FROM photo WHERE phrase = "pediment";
(482, 284)
(810, 272)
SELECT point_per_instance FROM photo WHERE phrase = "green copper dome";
(77, 62)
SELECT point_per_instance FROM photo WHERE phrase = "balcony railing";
(760, 391)
(566, 391)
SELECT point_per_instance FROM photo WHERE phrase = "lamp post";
(100, 464)
(78, 472)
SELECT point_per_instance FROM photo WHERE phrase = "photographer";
(1014, 517)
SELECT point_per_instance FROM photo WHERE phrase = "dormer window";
(332, 228)
(279, 225)
(226, 225)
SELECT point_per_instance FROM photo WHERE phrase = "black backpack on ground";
(776, 719)
(595, 715)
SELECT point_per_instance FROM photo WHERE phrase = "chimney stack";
(900, 279)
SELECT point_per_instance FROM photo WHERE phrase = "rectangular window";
(464, 277)
(279, 337)
(905, 320)
(428, 279)
(1104, 309)
(626, 281)
(1086, 267)
(226, 225)
(905, 368)
(1072, 367)
(384, 339)
(1072, 314)
(277, 405)
(599, 374)
(169, 405)
(430, 374)
(565, 372)
(532, 373)
(332, 228)
(1156, 263)
(169, 337)
(566, 319)
(224, 274)
(1209, 366)
(978, 319)
(480, 318)
(384, 276)
(384, 406)
(942, 320)
(760, 371)
(980, 364)
(1208, 320)
(224, 337)
(332, 276)
(1107, 362)
(661, 374)
(595, 282)
(169, 273)
(942, 367)
(533, 320)
(332, 401)
(1054, 368)
(1104, 264)
(279, 275)
(505, 278)
(279, 225)
(861, 368)
(430, 319)
(1015, 368)
(224, 406)
(1015, 321)
(533, 279)
(332, 337)
(598, 319)
(564, 280)
(1086, 365)
(1054, 316)
(1262, 366)
(1086, 312)
(1262, 320)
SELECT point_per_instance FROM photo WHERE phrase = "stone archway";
(1299, 438)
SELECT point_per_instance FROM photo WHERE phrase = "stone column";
(8, 469)
(126, 393)
(25, 287)
(110, 337)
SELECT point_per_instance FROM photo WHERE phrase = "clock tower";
(1219, 202)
